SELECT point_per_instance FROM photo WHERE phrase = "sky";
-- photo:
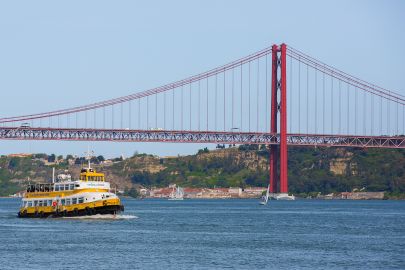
(57, 54)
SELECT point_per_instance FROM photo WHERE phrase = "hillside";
(311, 169)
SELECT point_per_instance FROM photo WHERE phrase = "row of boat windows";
(50, 187)
(64, 187)
(68, 201)
(92, 178)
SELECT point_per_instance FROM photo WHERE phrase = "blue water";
(211, 234)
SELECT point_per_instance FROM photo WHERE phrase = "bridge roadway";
(178, 136)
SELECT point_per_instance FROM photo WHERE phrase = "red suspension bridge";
(243, 102)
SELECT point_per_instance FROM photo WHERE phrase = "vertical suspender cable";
(104, 117)
(190, 105)
(290, 96)
(112, 116)
(207, 103)
(340, 106)
(372, 114)
(147, 112)
(241, 97)
(216, 101)
(258, 94)
(316, 99)
(224, 99)
(331, 104)
(164, 110)
(397, 117)
(381, 115)
(232, 87)
(182, 102)
(355, 110)
(156, 110)
(249, 97)
(173, 92)
(323, 103)
(130, 113)
(364, 113)
(199, 104)
(307, 100)
(348, 111)
(388, 115)
(139, 113)
(122, 115)
(299, 94)
(267, 103)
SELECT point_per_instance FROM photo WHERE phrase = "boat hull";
(101, 210)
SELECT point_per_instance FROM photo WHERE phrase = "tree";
(51, 158)
(133, 193)
(100, 158)
(69, 157)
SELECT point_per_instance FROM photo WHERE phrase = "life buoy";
(54, 203)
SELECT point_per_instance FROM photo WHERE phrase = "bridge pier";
(278, 178)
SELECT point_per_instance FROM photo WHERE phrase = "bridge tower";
(278, 118)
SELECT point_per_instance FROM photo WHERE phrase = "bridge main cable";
(146, 93)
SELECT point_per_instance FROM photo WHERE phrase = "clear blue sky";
(61, 54)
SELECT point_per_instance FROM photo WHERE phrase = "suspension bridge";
(243, 102)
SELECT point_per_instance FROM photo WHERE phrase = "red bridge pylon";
(278, 111)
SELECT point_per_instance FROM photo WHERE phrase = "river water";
(211, 234)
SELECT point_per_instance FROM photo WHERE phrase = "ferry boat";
(90, 195)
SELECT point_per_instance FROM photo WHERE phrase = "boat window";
(67, 187)
(81, 200)
(29, 204)
(39, 203)
(56, 187)
(35, 203)
(74, 200)
(61, 187)
(72, 186)
(63, 201)
(49, 202)
(67, 201)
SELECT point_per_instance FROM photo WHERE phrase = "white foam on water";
(108, 216)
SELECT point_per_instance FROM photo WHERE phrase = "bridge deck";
(119, 135)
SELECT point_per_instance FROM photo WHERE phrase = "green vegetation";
(311, 170)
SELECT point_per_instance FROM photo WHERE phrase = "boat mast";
(89, 155)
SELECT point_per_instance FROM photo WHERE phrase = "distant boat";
(265, 198)
(177, 194)
(284, 197)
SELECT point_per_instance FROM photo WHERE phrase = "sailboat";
(177, 194)
(265, 198)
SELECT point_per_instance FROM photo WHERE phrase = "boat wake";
(108, 217)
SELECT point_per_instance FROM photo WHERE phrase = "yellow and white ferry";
(89, 195)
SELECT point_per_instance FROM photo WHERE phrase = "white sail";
(265, 198)
(177, 194)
